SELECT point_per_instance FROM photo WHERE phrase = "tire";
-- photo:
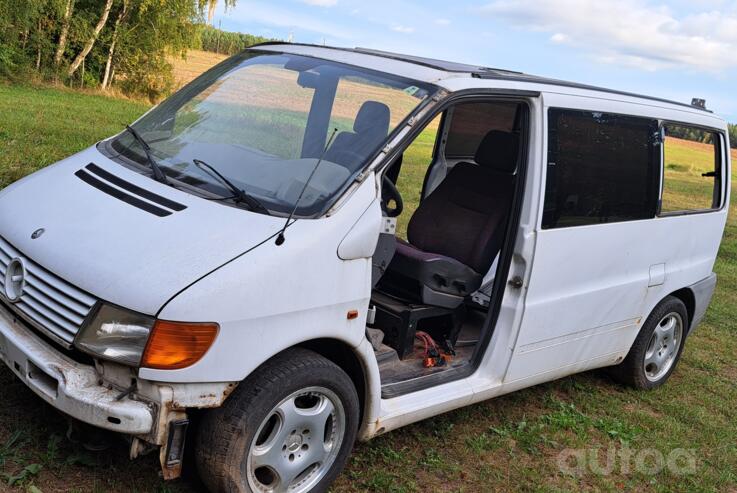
(653, 357)
(272, 427)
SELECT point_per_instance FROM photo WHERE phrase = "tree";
(93, 37)
(212, 6)
(135, 38)
(154, 31)
(111, 51)
(733, 136)
(66, 20)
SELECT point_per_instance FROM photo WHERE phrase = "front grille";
(48, 302)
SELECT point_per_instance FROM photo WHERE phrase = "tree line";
(226, 43)
(702, 136)
(100, 43)
(126, 43)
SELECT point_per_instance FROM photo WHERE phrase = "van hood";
(120, 235)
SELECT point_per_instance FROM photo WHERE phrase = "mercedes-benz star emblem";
(37, 234)
(15, 280)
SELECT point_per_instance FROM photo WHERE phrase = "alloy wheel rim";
(297, 443)
(662, 349)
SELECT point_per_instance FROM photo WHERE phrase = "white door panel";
(589, 288)
(592, 287)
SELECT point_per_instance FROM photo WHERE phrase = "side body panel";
(275, 297)
(593, 286)
(585, 290)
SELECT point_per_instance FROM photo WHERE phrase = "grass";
(41, 126)
(509, 443)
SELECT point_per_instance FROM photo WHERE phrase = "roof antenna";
(280, 238)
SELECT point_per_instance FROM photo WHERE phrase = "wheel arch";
(345, 356)
(686, 295)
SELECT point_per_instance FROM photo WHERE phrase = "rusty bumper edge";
(68, 386)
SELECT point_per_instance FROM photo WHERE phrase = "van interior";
(436, 261)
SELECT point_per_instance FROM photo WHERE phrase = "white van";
(266, 252)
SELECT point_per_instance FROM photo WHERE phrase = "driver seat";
(458, 230)
(370, 129)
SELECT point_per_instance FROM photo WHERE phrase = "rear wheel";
(657, 349)
(288, 427)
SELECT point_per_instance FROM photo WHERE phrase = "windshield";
(263, 121)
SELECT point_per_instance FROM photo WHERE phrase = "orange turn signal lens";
(175, 345)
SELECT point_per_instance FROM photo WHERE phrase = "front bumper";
(70, 387)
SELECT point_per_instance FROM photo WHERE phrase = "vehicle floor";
(393, 370)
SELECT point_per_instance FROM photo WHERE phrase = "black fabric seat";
(458, 230)
(370, 128)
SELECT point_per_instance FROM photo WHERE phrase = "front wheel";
(657, 349)
(289, 427)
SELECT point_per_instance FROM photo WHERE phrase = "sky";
(677, 49)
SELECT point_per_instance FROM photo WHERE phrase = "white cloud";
(442, 22)
(403, 29)
(630, 32)
(559, 38)
(321, 3)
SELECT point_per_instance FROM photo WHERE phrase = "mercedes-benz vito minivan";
(306, 246)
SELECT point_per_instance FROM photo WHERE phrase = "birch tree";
(65, 22)
(93, 38)
(106, 79)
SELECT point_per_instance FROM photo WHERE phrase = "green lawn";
(509, 443)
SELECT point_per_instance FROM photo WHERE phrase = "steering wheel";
(389, 194)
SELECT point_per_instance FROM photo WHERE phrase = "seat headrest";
(498, 150)
(373, 116)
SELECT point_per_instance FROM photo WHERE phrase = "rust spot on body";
(173, 472)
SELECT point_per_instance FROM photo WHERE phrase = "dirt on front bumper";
(67, 385)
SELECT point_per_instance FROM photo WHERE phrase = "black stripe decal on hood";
(120, 195)
(134, 189)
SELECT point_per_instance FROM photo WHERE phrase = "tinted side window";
(692, 174)
(601, 168)
(470, 122)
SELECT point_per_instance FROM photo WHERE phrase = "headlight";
(133, 339)
(117, 335)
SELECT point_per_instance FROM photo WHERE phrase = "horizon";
(645, 48)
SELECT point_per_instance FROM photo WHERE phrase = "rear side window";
(692, 169)
(602, 168)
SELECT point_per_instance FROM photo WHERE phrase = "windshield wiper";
(155, 168)
(240, 196)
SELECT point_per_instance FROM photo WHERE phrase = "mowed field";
(196, 62)
(509, 443)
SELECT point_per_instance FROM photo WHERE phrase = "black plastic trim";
(122, 196)
(702, 292)
(135, 189)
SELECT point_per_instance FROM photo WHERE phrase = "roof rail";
(489, 73)
(576, 85)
